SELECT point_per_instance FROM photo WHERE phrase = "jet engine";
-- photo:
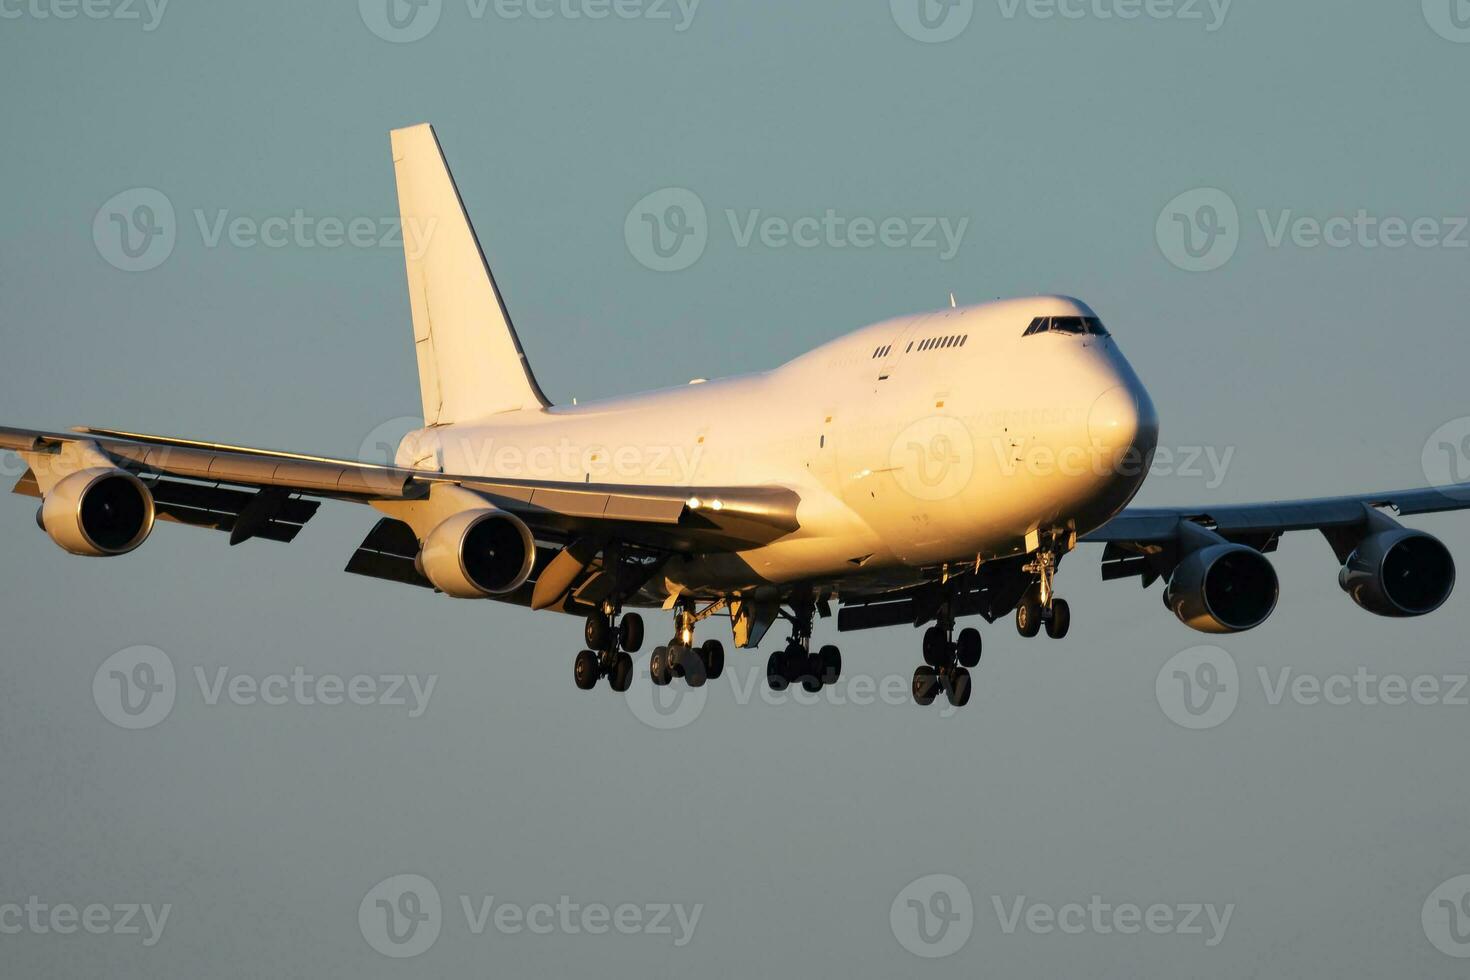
(98, 512)
(1223, 588)
(478, 553)
(1399, 572)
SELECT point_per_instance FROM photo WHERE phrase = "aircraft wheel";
(689, 665)
(713, 654)
(620, 677)
(659, 667)
(630, 632)
(1060, 621)
(597, 632)
(811, 673)
(937, 652)
(776, 672)
(958, 687)
(968, 647)
(831, 665)
(1028, 618)
(793, 662)
(926, 685)
(585, 670)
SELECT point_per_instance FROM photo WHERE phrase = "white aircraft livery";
(909, 473)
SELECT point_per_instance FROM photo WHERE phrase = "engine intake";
(1399, 573)
(98, 512)
(478, 553)
(1223, 588)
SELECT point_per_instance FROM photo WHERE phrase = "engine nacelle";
(1399, 573)
(1224, 588)
(478, 553)
(98, 512)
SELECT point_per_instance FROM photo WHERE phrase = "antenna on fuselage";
(952, 303)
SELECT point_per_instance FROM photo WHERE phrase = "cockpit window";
(1089, 325)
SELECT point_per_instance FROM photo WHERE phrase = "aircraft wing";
(1140, 540)
(263, 493)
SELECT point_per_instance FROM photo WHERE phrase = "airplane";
(918, 471)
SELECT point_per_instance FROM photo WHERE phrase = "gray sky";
(799, 832)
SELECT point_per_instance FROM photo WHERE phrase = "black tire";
(659, 668)
(689, 665)
(597, 632)
(630, 633)
(926, 686)
(1060, 621)
(620, 678)
(776, 672)
(831, 665)
(713, 653)
(585, 670)
(793, 663)
(968, 647)
(1028, 618)
(958, 687)
(937, 651)
(811, 674)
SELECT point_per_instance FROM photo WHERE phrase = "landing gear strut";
(1040, 606)
(609, 650)
(947, 663)
(797, 664)
(681, 658)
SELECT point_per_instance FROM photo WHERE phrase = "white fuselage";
(906, 454)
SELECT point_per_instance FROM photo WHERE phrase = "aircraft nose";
(1123, 418)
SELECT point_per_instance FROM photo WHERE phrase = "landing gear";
(797, 664)
(680, 657)
(1040, 607)
(947, 663)
(609, 651)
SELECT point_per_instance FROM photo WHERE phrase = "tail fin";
(470, 361)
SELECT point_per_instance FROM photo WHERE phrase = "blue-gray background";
(1324, 370)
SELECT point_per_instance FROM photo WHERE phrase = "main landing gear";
(797, 664)
(1040, 606)
(610, 645)
(948, 660)
(681, 658)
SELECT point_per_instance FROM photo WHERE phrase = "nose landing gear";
(1041, 607)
